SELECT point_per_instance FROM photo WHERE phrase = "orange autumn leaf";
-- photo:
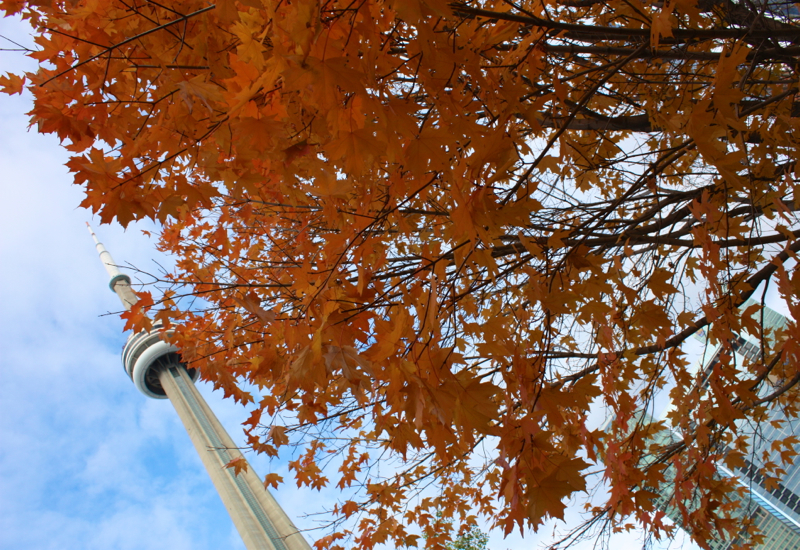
(11, 84)
(238, 464)
(272, 480)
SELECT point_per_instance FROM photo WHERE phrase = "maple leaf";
(272, 480)
(251, 303)
(238, 464)
(349, 508)
(348, 360)
(659, 285)
(661, 26)
(545, 496)
(11, 84)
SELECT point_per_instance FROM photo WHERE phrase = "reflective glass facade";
(774, 507)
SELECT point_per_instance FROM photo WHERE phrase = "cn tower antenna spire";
(119, 282)
(158, 371)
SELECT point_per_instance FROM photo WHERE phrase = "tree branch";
(612, 33)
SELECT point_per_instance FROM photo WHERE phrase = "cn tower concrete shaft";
(157, 371)
(259, 519)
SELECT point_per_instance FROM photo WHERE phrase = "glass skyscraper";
(773, 507)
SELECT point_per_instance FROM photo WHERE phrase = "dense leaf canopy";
(435, 236)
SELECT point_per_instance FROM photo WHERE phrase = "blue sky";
(86, 462)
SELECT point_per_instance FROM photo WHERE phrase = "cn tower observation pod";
(146, 355)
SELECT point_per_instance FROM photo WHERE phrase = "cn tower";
(156, 369)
